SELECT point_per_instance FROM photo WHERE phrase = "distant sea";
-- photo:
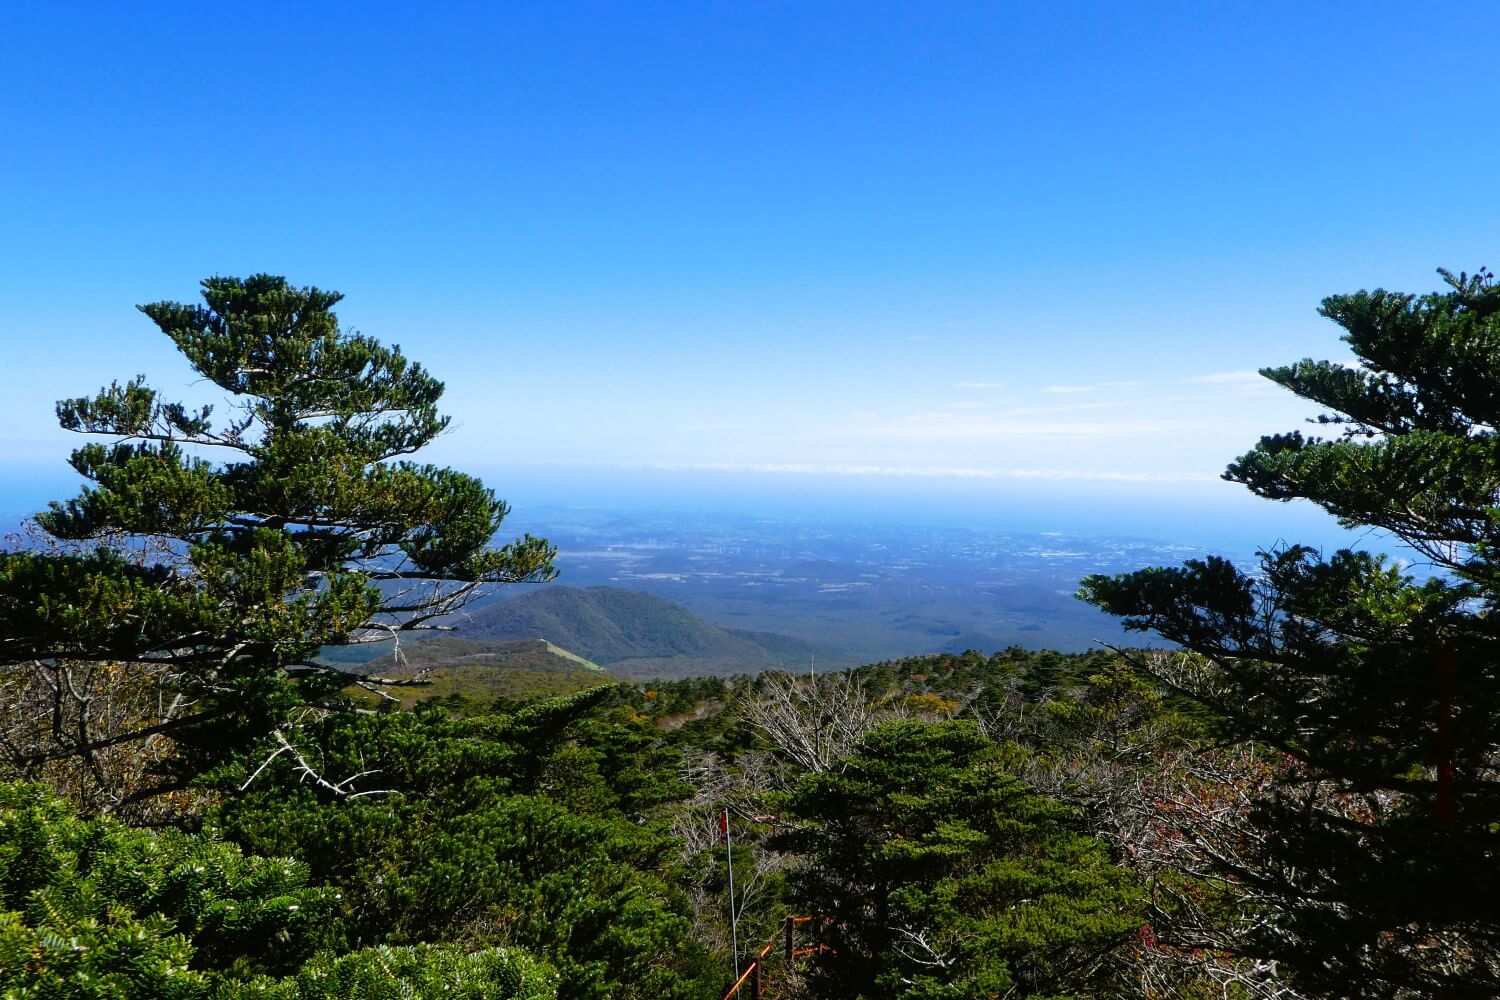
(1209, 515)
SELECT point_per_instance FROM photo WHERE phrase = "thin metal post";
(791, 940)
(755, 980)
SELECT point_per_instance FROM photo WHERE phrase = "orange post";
(754, 971)
(734, 990)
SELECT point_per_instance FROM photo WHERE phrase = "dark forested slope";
(633, 633)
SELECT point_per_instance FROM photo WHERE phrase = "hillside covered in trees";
(209, 793)
(634, 633)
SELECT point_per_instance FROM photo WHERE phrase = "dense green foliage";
(533, 828)
(91, 908)
(565, 829)
(422, 972)
(1379, 850)
(943, 875)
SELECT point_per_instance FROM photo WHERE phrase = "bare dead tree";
(815, 721)
(738, 788)
(92, 732)
(1176, 810)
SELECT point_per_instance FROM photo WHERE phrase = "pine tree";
(936, 873)
(217, 558)
(1379, 852)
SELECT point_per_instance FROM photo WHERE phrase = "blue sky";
(922, 251)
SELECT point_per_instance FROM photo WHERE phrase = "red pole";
(1447, 667)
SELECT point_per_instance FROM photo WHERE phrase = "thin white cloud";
(998, 410)
(979, 385)
(927, 472)
(1068, 388)
(1022, 423)
(1031, 411)
(1102, 475)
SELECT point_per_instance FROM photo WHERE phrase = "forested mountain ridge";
(633, 633)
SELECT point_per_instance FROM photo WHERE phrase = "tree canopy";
(91, 908)
(942, 875)
(1379, 848)
(219, 552)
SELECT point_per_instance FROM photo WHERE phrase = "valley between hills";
(645, 595)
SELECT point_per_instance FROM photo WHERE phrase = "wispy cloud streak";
(1021, 422)
(927, 472)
